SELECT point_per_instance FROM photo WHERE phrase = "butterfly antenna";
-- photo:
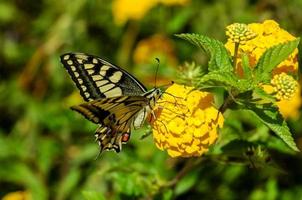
(158, 62)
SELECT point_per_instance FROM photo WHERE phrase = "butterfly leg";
(151, 118)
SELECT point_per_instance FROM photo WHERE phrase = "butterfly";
(115, 100)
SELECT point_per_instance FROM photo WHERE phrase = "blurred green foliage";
(48, 150)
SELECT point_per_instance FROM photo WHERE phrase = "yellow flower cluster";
(284, 86)
(269, 34)
(123, 10)
(239, 33)
(188, 122)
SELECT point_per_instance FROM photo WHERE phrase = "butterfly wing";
(116, 115)
(97, 78)
(109, 140)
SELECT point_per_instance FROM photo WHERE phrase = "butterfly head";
(153, 95)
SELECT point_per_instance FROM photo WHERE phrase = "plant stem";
(235, 54)
(187, 168)
(226, 103)
(229, 100)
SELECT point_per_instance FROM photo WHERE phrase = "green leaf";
(262, 97)
(21, 174)
(219, 57)
(131, 184)
(237, 147)
(224, 79)
(270, 116)
(179, 20)
(93, 195)
(247, 70)
(68, 183)
(271, 58)
(168, 194)
(186, 182)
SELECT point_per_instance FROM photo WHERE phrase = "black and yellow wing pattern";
(96, 78)
(116, 116)
(115, 99)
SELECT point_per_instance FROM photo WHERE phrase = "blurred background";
(48, 152)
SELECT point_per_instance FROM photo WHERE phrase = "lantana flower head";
(188, 122)
(287, 92)
(290, 108)
(239, 33)
(284, 86)
(270, 34)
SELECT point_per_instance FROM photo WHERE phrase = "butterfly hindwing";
(109, 140)
(97, 78)
(115, 115)
(118, 112)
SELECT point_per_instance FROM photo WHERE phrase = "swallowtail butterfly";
(115, 99)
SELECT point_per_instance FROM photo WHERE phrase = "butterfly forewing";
(97, 78)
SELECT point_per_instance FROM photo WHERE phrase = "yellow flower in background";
(188, 122)
(269, 34)
(19, 195)
(152, 47)
(124, 10)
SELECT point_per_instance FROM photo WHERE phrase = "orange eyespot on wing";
(125, 137)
